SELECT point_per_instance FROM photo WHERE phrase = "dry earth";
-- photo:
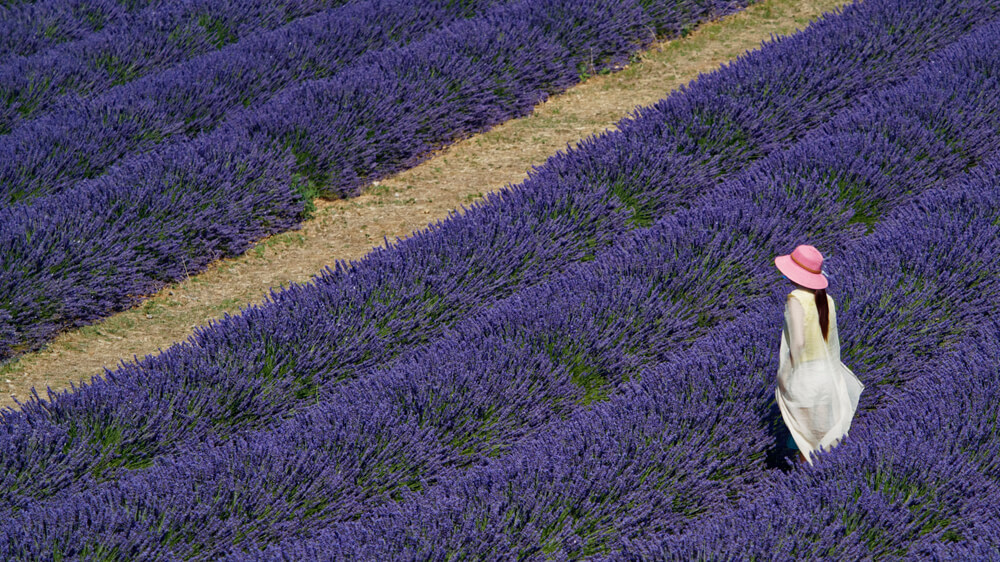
(403, 204)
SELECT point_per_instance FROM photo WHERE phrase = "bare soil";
(402, 205)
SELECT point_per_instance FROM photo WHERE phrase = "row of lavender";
(185, 181)
(625, 314)
(50, 25)
(63, 253)
(34, 26)
(571, 368)
(153, 39)
(365, 315)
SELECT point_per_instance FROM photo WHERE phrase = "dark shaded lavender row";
(197, 93)
(315, 336)
(582, 349)
(453, 82)
(643, 463)
(32, 27)
(50, 29)
(493, 379)
(474, 48)
(718, 104)
(6, 5)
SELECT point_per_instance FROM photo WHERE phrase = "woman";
(816, 393)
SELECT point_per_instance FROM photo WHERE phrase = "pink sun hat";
(803, 266)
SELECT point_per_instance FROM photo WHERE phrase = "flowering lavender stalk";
(50, 29)
(6, 5)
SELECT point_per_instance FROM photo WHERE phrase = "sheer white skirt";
(817, 400)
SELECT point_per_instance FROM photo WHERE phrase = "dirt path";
(403, 204)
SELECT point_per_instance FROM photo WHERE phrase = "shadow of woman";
(781, 454)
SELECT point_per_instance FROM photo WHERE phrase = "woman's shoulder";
(800, 294)
(807, 298)
(805, 293)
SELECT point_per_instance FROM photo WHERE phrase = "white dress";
(819, 394)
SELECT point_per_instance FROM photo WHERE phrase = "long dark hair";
(824, 312)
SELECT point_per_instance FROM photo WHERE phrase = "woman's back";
(816, 347)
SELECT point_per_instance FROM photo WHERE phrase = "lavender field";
(171, 135)
(580, 366)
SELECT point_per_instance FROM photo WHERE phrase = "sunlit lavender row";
(61, 262)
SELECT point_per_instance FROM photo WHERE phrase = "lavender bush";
(122, 236)
(5, 5)
(53, 29)
(454, 81)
